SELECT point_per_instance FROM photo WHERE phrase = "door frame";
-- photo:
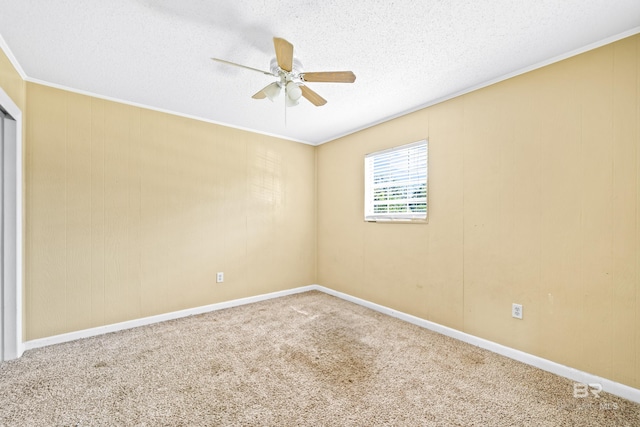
(12, 237)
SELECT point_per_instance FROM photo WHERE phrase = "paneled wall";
(534, 199)
(131, 213)
(11, 82)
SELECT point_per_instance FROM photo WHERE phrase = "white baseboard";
(86, 333)
(609, 386)
(615, 388)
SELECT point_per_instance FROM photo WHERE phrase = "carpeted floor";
(303, 360)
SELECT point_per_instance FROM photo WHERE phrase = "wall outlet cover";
(516, 311)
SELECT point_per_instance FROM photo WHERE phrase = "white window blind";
(395, 183)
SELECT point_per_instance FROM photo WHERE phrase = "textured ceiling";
(406, 54)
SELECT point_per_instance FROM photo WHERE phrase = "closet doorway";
(10, 229)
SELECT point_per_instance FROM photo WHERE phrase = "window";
(395, 183)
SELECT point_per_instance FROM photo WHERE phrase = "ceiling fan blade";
(264, 92)
(260, 94)
(242, 66)
(329, 76)
(284, 53)
(312, 97)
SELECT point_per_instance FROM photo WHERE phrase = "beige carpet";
(307, 359)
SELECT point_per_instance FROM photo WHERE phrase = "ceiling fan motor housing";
(287, 76)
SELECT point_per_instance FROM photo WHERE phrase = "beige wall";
(11, 82)
(534, 186)
(131, 213)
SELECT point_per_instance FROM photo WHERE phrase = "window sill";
(398, 221)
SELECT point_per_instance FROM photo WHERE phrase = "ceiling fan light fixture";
(272, 91)
(293, 91)
(290, 102)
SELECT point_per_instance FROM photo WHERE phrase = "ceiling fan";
(291, 78)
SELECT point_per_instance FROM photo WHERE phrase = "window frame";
(407, 218)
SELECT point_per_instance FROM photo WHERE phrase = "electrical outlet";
(516, 310)
(220, 277)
